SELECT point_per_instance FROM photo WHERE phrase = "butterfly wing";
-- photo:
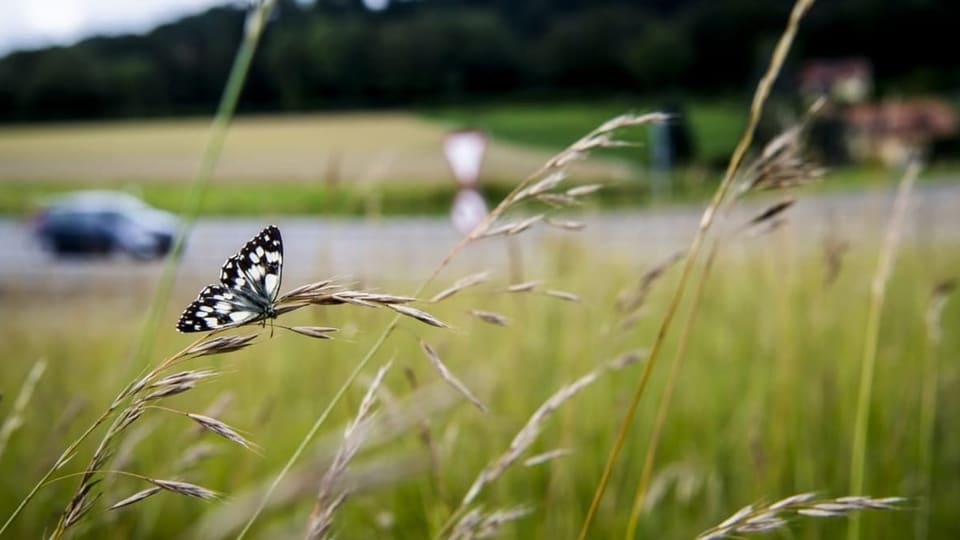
(217, 307)
(257, 269)
(250, 283)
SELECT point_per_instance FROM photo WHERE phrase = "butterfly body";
(248, 288)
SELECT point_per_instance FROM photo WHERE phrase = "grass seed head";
(490, 317)
(318, 332)
(136, 497)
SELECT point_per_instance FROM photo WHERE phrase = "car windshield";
(100, 200)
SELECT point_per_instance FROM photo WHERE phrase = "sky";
(28, 24)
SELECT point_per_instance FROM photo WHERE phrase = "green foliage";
(336, 54)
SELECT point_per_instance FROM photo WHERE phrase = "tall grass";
(756, 108)
(757, 422)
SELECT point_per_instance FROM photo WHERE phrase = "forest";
(336, 54)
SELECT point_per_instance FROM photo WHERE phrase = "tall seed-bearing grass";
(535, 188)
(781, 165)
(15, 418)
(878, 289)
(928, 411)
(800, 9)
(255, 22)
(148, 394)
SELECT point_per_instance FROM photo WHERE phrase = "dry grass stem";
(514, 227)
(169, 391)
(546, 457)
(771, 212)
(419, 315)
(181, 378)
(599, 137)
(632, 300)
(219, 428)
(764, 519)
(15, 419)
(581, 191)
(938, 300)
(309, 290)
(318, 332)
(834, 249)
(81, 503)
(549, 182)
(878, 288)
(423, 430)
(490, 317)
(628, 359)
(476, 524)
(524, 224)
(136, 497)
(221, 345)
(331, 493)
(569, 225)
(782, 164)
(557, 200)
(449, 377)
(528, 434)
(799, 10)
(461, 284)
(562, 295)
(524, 287)
(184, 488)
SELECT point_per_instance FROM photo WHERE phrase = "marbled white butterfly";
(249, 283)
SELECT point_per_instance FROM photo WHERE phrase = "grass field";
(349, 164)
(714, 126)
(764, 405)
(377, 147)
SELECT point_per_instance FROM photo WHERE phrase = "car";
(102, 223)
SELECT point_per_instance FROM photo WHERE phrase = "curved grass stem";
(800, 9)
(878, 290)
(665, 401)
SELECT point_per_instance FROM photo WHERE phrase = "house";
(891, 131)
(846, 80)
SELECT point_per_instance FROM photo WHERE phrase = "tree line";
(337, 54)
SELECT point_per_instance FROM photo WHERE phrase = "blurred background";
(344, 137)
(346, 105)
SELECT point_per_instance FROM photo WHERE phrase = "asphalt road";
(407, 249)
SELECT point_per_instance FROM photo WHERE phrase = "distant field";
(322, 148)
(388, 163)
(714, 126)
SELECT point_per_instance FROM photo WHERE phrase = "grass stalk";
(928, 407)
(597, 138)
(800, 8)
(69, 452)
(651, 453)
(208, 162)
(213, 147)
(878, 290)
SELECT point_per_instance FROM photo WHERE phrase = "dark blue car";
(104, 222)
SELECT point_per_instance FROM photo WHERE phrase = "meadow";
(358, 163)
(763, 409)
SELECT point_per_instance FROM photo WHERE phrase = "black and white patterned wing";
(217, 307)
(256, 271)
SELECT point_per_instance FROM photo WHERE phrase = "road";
(404, 249)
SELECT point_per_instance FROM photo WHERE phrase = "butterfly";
(249, 284)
